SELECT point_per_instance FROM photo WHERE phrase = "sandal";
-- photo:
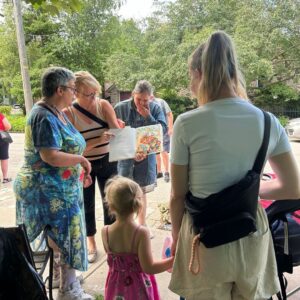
(6, 180)
(92, 256)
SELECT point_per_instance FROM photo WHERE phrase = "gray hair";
(143, 86)
(53, 78)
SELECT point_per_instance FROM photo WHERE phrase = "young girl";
(128, 246)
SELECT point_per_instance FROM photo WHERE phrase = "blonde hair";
(123, 196)
(87, 79)
(217, 61)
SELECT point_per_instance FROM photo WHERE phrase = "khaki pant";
(244, 269)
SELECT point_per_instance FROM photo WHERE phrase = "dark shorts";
(143, 173)
(166, 143)
(4, 150)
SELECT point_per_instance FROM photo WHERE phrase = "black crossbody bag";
(90, 115)
(230, 214)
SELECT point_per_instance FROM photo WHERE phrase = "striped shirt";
(91, 130)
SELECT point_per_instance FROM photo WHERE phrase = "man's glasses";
(70, 87)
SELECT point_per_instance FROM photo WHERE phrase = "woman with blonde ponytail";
(213, 147)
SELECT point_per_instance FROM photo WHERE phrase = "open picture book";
(127, 142)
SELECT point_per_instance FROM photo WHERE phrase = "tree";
(56, 6)
(86, 39)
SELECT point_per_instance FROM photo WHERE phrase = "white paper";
(123, 144)
(127, 142)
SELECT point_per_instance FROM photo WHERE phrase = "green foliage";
(277, 94)
(5, 110)
(56, 6)
(17, 122)
(177, 104)
(283, 120)
(89, 35)
(99, 297)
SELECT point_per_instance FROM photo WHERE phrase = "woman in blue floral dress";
(48, 187)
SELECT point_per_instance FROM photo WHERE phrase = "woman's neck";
(54, 103)
(226, 92)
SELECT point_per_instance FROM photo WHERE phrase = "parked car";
(17, 109)
(293, 129)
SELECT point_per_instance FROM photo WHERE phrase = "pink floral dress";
(125, 279)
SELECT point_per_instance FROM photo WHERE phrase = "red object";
(1, 123)
(266, 203)
(66, 174)
(81, 177)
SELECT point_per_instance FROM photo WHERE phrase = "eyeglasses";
(70, 87)
(91, 95)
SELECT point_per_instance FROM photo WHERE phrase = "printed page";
(149, 139)
(123, 144)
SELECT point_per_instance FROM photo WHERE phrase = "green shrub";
(283, 120)
(177, 103)
(5, 109)
(17, 122)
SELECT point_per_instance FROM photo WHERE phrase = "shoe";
(151, 234)
(92, 256)
(159, 175)
(6, 180)
(167, 176)
(56, 281)
(74, 292)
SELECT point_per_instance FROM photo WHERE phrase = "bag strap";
(90, 115)
(260, 158)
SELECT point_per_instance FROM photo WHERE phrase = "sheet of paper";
(149, 139)
(123, 144)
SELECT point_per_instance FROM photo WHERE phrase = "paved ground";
(95, 276)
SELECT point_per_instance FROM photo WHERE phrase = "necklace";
(56, 111)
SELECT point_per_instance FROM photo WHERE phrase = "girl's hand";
(140, 156)
(87, 181)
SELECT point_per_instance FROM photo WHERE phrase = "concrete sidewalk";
(94, 278)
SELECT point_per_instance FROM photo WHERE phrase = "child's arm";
(145, 255)
(103, 236)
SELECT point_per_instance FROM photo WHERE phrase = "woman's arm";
(287, 182)
(170, 123)
(56, 158)
(6, 124)
(145, 255)
(179, 189)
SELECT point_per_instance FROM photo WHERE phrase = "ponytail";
(217, 62)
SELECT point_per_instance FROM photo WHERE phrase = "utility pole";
(22, 55)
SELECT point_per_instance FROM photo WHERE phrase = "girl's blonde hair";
(123, 196)
(87, 79)
(217, 62)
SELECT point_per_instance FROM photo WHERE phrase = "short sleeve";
(46, 133)
(282, 143)
(179, 145)
(167, 107)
